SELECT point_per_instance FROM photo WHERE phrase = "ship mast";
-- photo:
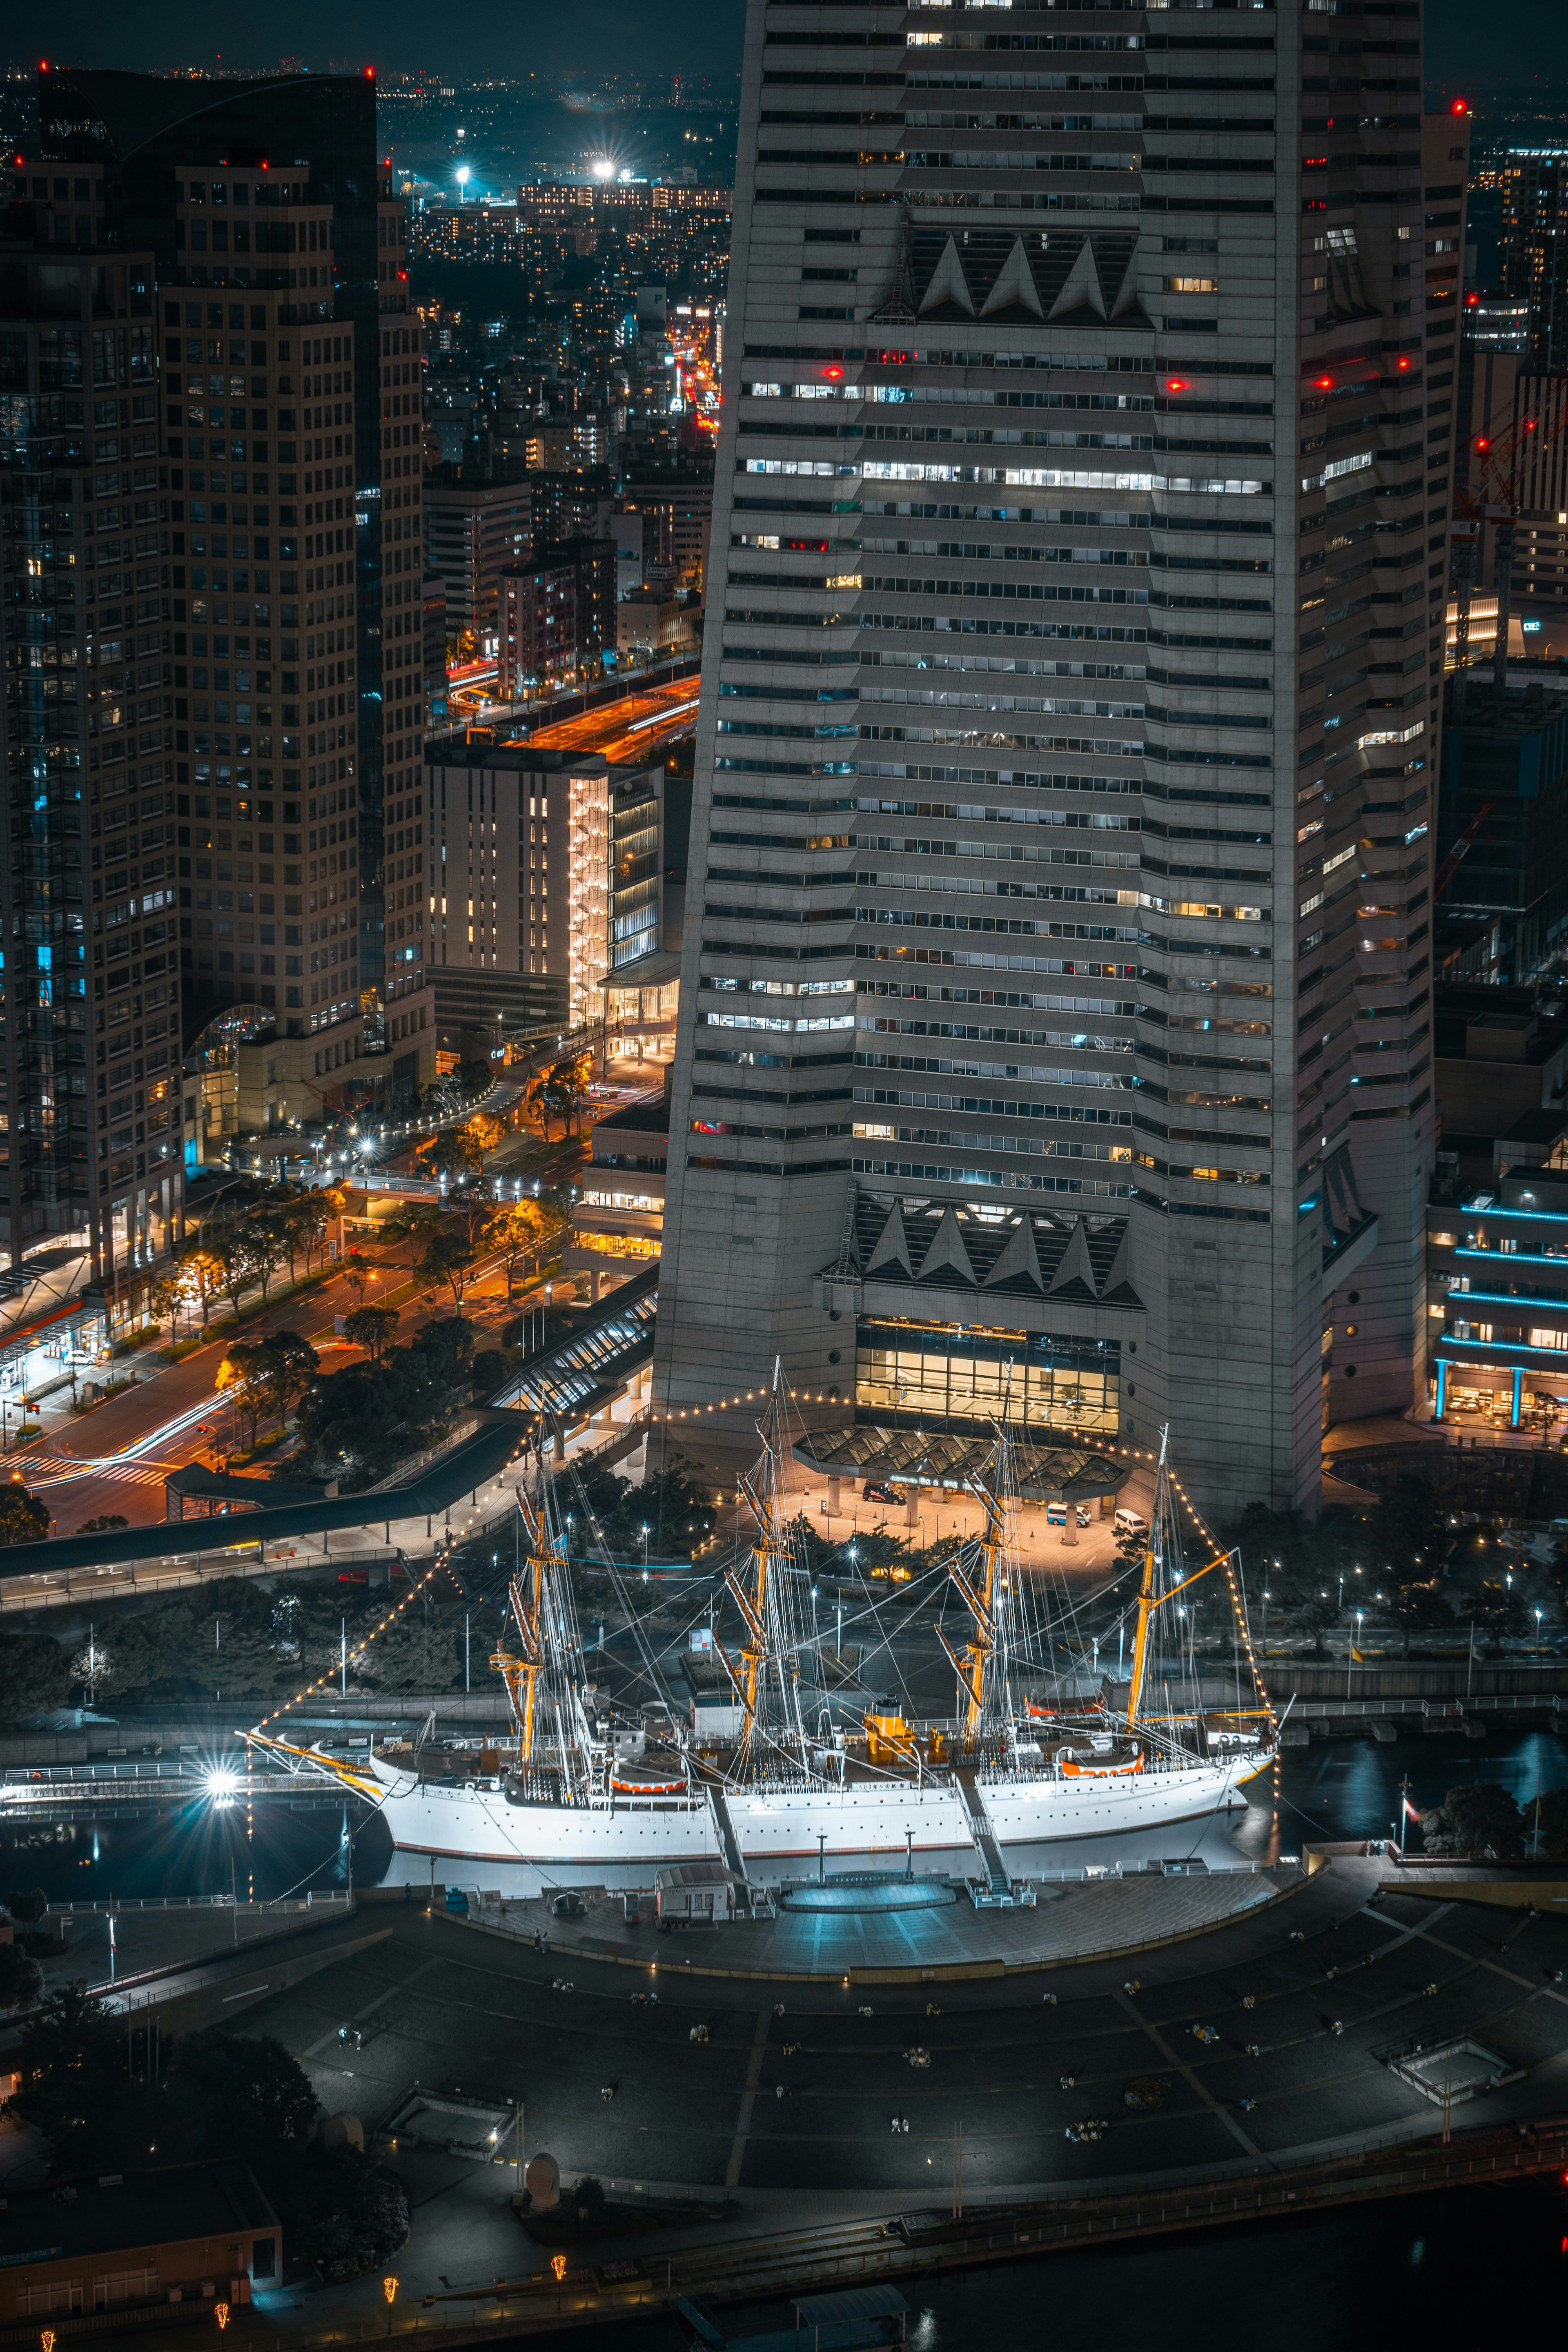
(1146, 1598)
(975, 1664)
(1163, 1557)
(770, 1649)
(520, 1668)
(540, 1668)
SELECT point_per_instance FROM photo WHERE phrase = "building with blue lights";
(1498, 1282)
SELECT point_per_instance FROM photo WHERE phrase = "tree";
(673, 1504)
(231, 2093)
(1552, 1817)
(268, 1376)
(359, 1274)
(349, 2213)
(1407, 1536)
(269, 1242)
(372, 1329)
(244, 1375)
(35, 1675)
(1317, 1614)
(164, 1301)
(548, 1099)
(75, 2089)
(292, 1367)
(455, 1153)
(415, 1222)
(1281, 1553)
(21, 1978)
(201, 1270)
(1503, 1610)
(446, 1258)
(1482, 1819)
(307, 1220)
(23, 1517)
(573, 1078)
(236, 1254)
(1419, 1608)
(522, 1230)
(354, 1425)
(26, 1905)
(414, 1654)
(104, 1524)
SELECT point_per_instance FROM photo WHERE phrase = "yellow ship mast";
(972, 1665)
(519, 1669)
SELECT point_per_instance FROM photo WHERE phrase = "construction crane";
(1460, 850)
(1493, 497)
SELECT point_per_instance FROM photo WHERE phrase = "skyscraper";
(145, 139)
(1053, 1022)
(1533, 260)
(89, 1050)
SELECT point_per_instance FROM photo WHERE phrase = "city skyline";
(707, 37)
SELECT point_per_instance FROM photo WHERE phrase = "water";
(1342, 1789)
(1424, 2269)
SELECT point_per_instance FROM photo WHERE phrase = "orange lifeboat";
(1075, 1772)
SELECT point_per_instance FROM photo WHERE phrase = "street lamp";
(1538, 1629)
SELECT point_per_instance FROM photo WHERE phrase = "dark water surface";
(1455, 2273)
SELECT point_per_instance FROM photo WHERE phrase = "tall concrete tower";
(1054, 1033)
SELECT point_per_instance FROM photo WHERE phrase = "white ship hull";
(778, 1828)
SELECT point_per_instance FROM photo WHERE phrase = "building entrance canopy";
(913, 1457)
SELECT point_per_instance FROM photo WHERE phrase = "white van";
(1131, 1523)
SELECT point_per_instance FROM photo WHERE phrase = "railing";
(118, 1903)
(406, 1470)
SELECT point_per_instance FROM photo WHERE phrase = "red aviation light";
(1323, 383)
(1404, 363)
(833, 375)
(1460, 106)
(1177, 384)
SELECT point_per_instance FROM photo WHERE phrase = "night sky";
(1527, 40)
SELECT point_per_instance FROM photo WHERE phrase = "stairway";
(757, 1899)
(1000, 1886)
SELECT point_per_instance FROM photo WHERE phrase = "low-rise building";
(648, 623)
(619, 1211)
(1496, 1266)
(174, 2234)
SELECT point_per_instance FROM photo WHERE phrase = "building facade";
(1053, 1012)
(557, 615)
(149, 143)
(473, 531)
(518, 882)
(1533, 260)
(90, 1124)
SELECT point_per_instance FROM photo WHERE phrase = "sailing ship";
(1034, 1756)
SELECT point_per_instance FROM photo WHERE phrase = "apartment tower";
(165, 156)
(1054, 1024)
